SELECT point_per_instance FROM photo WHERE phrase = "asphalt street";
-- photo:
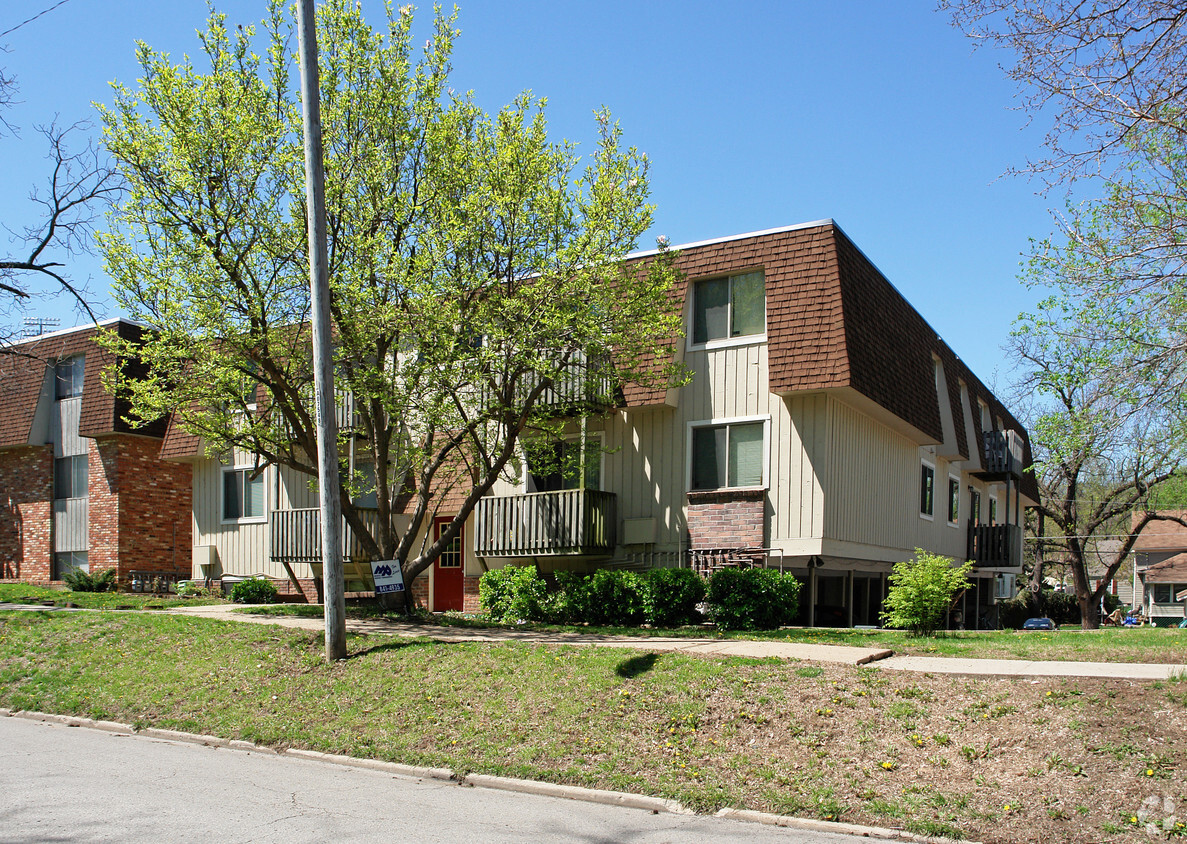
(74, 784)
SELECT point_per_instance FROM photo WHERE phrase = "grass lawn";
(23, 593)
(988, 759)
(1145, 644)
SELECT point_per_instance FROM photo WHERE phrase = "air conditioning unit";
(1004, 586)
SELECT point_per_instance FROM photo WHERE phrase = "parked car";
(1038, 624)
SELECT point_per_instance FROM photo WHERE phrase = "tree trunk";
(1089, 612)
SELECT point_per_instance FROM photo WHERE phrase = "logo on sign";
(387, 575)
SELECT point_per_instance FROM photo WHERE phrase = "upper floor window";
(729, 455)
(70, 476)
(557, 465)
(364, 477)
(975, 507)
(243, 495)
(992, 511)
(927, 490)
(68, 375)
(953, 500)
(734, 306)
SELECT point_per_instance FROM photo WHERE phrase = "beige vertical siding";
(800, 441)
(243, 546)
(873, 477)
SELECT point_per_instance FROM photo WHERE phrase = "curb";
(655, 805)
(394, 768)
(813, 825)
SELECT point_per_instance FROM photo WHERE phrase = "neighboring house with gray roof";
(1161, 562)
(826, 430)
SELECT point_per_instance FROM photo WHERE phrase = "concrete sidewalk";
(840, 654)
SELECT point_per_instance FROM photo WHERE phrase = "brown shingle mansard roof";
(23, 369)
(834, 321)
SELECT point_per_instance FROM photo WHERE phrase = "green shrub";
(614, 597)
(254, 590)
(83, 581)
(608, 596)
(513, 593)
(571, 601)
(749, 599)
(921, 591)
(670, 596)
(191, 589)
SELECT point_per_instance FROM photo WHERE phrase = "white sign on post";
(387, 575)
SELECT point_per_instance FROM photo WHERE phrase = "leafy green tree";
(1106, 353)
(474, 263)
(921, 591)
(1105, 445)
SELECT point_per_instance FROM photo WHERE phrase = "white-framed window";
(953, 500)
(927, 490)
(974, 507)
(728, 453)
(451, 556)
(70, 476)
(993, 509)
(244, 494)
(554, 465)
(728, 309)
(68, 373)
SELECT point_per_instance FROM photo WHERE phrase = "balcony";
(585, 386)
(995, 546)
(1002, 451)
(543, 524)
(295, 537)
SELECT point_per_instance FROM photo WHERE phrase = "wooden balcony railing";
(296, 536)
(1003, 452)
(584, 386)
(995, 546)
(540, 524)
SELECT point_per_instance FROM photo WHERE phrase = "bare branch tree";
(1103, 71)
(80, 183)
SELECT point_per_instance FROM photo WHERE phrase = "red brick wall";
(155, 508)
(420, 589)
(470, 599)
(26, 513)
(103, 505)
(139, 511)
(732, 518)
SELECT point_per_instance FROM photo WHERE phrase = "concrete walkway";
(840, 654)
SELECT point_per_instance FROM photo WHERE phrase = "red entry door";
(448, 592)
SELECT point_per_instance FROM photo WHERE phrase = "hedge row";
(736, 598)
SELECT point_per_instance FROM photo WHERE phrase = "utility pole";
(323, 357)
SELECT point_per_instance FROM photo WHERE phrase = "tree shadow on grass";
(397, 646)
(636, 665)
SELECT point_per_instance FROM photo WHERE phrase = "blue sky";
(754, 114)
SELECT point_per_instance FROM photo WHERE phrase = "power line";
(35, 17)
